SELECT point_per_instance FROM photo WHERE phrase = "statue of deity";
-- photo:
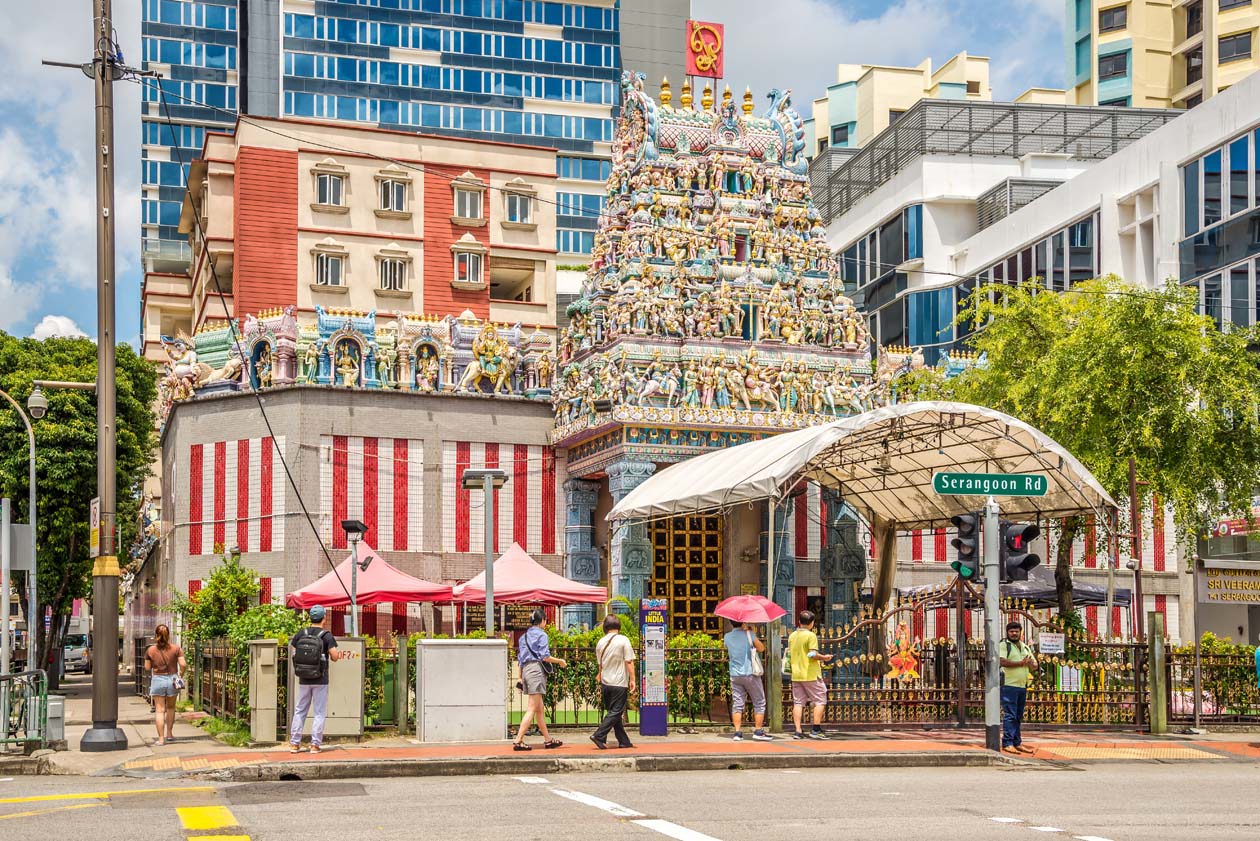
(348, 365)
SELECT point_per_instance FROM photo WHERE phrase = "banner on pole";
(704, 48)
(653, 702)
(94, 542)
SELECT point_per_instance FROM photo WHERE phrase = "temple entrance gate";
(687, 570)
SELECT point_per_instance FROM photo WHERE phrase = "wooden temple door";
(687, 570)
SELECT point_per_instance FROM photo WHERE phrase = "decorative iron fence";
(139, 674)
(221, 679)
(1228, 686)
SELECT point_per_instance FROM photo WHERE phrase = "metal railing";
(139, 675)
(24, 710)
(1228, 687)
(221, 680)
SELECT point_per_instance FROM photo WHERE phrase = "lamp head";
(37, 403)
(354, 529)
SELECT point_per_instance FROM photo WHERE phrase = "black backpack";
(308, 654)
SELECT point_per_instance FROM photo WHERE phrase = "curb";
(354, 769)
(25, 766)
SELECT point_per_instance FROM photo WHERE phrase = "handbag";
(179, 682)
(547, 668)
(754, 659)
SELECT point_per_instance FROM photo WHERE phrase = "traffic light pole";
(992, 627)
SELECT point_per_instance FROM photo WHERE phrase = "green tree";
(228, 593)
(65, 443)
(1113, 372)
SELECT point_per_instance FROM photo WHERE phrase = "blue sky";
(47, 192)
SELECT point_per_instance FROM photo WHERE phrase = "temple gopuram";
(712, 314)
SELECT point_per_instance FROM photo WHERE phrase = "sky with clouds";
(47, 164)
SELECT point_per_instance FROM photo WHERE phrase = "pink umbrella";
(752, 608)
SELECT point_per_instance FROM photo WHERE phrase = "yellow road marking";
(50, 811)
(206, 817)
(101, 795)
(220, 837)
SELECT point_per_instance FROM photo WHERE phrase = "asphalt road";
(1119, 802)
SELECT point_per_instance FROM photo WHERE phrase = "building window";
(1113, 66)
(1122, 102)
(519, 208)
(973, 86)
(1194, 18)
(894, 114)
(840, 135)
(393, 195)
(1109, 20)
(329, 270)
(1233, 4)
(1234, 47)
(1194, 65)
(1194, 101)
(328, 189)
(468, 204)
(468, 268)
(1239, 174)
(393, 273)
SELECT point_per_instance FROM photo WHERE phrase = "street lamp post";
(489, 481)
(355, 529)
(38, 405)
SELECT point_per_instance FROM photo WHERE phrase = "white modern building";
(958, 193)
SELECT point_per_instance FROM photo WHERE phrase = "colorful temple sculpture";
(712, 314)
(351, 349)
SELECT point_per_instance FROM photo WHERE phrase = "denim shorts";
(163, 685)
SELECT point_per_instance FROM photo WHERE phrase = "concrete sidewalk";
(193, 753)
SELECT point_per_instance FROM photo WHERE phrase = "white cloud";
(18, 302)
(47, 155)
(56, 325)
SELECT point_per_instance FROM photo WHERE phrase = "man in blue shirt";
(744, 651)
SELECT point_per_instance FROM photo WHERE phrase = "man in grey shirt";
(742, 648)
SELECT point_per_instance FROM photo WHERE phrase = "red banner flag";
(704, 48)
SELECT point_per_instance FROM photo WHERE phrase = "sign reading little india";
(990, 484)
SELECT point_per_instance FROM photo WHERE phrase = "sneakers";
(738, 737)
(762, 736)
(796, 734)
(818, 734)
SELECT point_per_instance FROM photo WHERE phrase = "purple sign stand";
(653, 703)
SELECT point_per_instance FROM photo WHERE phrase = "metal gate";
(885, 673)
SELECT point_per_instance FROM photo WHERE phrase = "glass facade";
(466, 68)
(1220, 192)
(194, 46)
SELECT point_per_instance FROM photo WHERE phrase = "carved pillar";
(784, 562)
(843, 561)
(630, 555)
(581, 558)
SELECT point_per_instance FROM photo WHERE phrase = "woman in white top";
(615, 658)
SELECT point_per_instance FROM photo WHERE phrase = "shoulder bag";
(754, 659)
(548, 668)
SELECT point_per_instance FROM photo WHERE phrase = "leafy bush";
(228, 593)
(265, 621)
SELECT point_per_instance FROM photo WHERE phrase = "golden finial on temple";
(748, 101)
(727, 96)
(666, 95)
(706, 97)
(686, 99)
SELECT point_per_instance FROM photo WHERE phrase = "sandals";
(552, 743)
(521, 746)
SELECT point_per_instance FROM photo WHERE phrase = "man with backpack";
(310, 651)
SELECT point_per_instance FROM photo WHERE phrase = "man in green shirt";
(1017, 660)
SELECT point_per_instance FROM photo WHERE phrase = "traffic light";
(1016, 560)
(968, 545)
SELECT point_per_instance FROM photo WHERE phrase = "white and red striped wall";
(235, 495)
(379, 481)
(529, 508)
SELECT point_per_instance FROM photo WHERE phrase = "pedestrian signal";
(1017, 561)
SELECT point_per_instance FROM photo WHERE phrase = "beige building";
(304, 213)
(867, 98)
(1158, 53)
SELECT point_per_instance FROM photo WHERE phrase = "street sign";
(95, 540)
(990, 484)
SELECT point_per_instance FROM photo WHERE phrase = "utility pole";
(105, 734)
(992, 627)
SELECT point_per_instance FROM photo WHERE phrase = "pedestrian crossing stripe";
(206, 817)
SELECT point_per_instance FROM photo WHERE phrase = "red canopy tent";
(519, 579)
(380, 582)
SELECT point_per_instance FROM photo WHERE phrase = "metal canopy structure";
(882, 463)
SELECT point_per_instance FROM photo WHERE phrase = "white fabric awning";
(882, 463)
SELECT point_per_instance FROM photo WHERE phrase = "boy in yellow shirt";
(808, 687)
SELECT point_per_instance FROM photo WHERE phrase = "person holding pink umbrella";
(744, 651)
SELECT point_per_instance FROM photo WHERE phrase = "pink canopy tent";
(380, 582)
(519, 579)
